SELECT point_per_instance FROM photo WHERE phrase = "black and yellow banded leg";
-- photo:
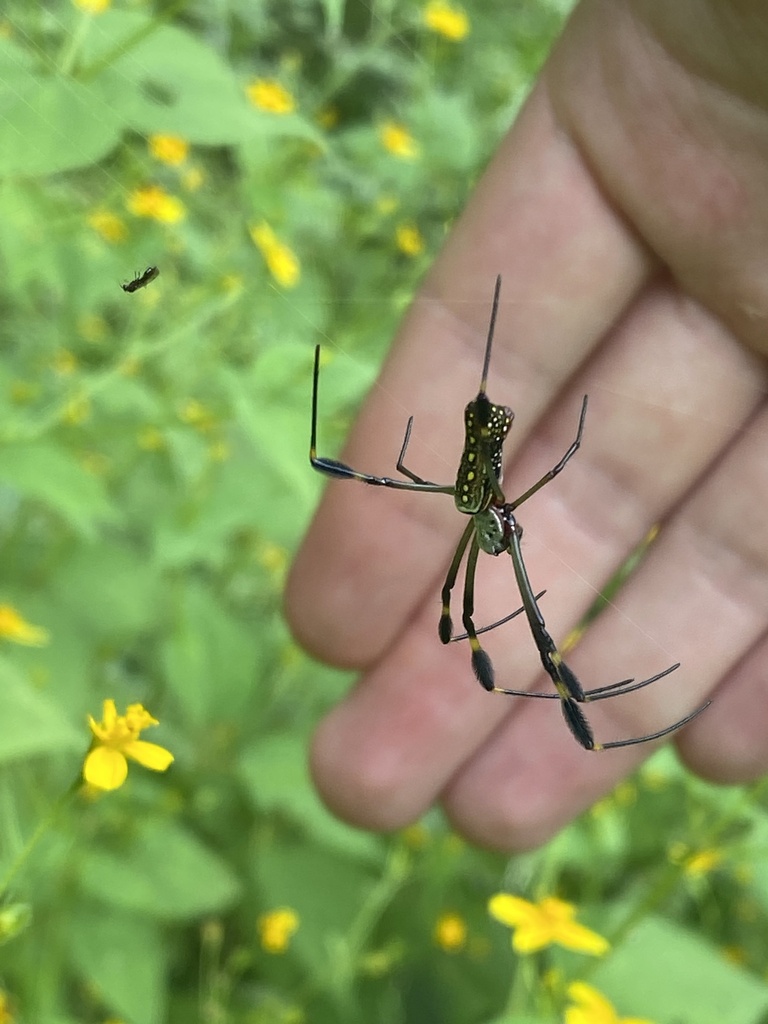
(569, 690)
(481, 662)
(445, 625)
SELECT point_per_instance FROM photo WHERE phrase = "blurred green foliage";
(153, 480)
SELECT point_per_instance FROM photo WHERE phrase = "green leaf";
(159, 873)
(666, 973)
(326, 891)
(125, 959)
(209, 658)
(275, 772)
(32, 724)
(50, 124)
(334, 16)
(46, 473)
(515, 1018)
(162, 80)
(110, 588)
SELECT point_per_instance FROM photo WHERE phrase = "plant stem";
(42, 827)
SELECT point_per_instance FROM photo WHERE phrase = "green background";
(152, 543)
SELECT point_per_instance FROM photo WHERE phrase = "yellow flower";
(450, 932)
(197, 415)
(276, 928)
(625, 793)
(653, 779)
(702, 863)
(396, 139)
(169, 149)
(273, 558)
(117, 738)
(111, 227)
(77, 410)
(15, 628)
(409, 239)
(64, 362)
(268, 94)
(386, 205)
(549, 922)
(219, 451)
(591, 1007)
(447, 20)
(151, 439)
(281, 260)
(92, 327)
(92, 6)
(152, 201)
(6, 1016)
(416, 836)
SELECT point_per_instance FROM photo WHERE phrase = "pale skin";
(627, 212)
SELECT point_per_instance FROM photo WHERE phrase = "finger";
(732, 745)
(386, 752)
(675, 121)
(703, 597)
(569, 268)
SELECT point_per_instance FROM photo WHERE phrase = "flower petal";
(512, 910)
(105, 768)
(137, 718)
(580, 939)
(556, 909)
(594, 1008)
(589, 998)
(149, 755)
(533, 936)
(578, 1015)
(109, 714)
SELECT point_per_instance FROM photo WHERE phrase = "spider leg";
(445, 625)
(340, 470)
(581, 730)
(561, 464)
(598, 693)
(569, 689)
(500, 622)
(481, 662)
(400, 466)
(566, 682)
(625, 686)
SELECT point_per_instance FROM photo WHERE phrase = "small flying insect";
(494, 529)
(141, 280)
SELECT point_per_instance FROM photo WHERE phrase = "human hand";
(627, 212)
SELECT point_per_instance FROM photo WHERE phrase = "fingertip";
(528, 781)
(364, 785)
(728, 744)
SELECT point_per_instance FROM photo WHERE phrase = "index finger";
(570, 267)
